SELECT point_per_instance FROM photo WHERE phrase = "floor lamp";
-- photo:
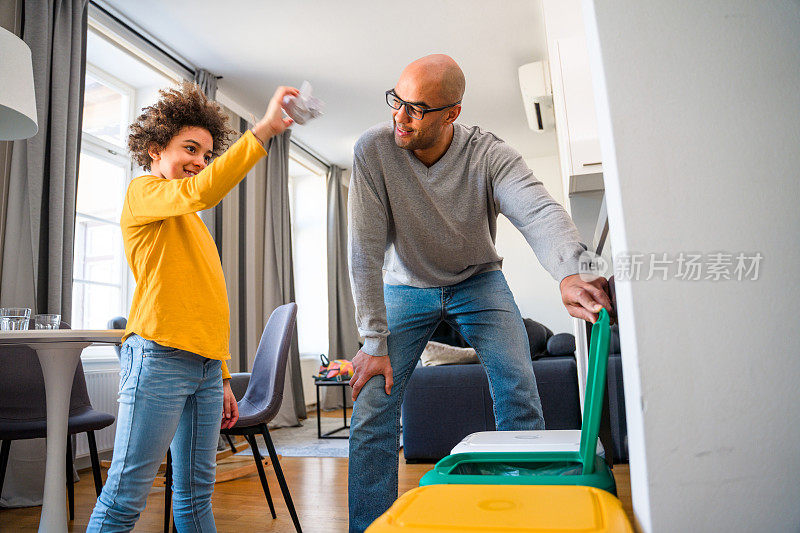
(17, 97)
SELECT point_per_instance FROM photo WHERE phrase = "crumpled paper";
(303, 107)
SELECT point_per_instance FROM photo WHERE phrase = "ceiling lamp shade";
(17, 99)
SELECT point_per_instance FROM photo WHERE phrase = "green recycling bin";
(583, 467)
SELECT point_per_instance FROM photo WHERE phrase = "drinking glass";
(47, 321)
(14, 318)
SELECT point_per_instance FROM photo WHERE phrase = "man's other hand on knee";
(365, 366)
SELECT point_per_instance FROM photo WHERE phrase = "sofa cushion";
(561, 344)
(614, 347)
(437, 353)
(538, 334)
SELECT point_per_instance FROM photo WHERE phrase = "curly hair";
(177, 108)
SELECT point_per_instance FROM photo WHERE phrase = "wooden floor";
(318, 486)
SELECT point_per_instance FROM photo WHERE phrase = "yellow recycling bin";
(504, 508)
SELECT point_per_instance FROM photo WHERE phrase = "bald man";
(424, 199)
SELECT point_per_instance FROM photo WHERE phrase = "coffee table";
(330, 434)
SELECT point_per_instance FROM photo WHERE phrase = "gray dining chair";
(262, 399)
(23, 411)
(118, 322)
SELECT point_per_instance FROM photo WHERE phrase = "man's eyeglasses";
(412, 110)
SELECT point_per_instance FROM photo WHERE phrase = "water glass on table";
(14, 318)
(47, 321)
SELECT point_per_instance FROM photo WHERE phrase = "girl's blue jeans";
(483, 310)
(165, 395)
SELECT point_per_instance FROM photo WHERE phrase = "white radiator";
(102, 386)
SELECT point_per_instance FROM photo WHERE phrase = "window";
(308, 207)
(100, 277)
(102, 283)
(99, 289)
(106, 107)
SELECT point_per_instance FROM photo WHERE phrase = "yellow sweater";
(180, 299)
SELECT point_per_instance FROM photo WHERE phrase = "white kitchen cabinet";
(577, 132)
(575, 114)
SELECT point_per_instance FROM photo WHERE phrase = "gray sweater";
(432, 227)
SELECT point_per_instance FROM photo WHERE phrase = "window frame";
(118, 85)
(99, 152)
(314, 166)
(119, 156)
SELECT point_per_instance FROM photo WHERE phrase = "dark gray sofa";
(616, 400)
(444, 404)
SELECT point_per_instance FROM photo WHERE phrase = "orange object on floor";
(518, 508)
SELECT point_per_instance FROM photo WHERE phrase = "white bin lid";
(556, 440)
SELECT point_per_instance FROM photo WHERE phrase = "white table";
(59, 351)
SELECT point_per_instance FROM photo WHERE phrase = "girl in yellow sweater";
(174, 384)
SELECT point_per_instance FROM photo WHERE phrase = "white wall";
(535, 291)
(698, 105)
(585, 210)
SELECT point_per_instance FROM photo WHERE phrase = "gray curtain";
(40, 219)
(234, 219)
(10, 19)
(39, 225)
(342, 331)
(5, 170)
(212, 217)
(207, 82)
(270, 277)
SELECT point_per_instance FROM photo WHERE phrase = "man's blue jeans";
(164, 392)
(483, 310)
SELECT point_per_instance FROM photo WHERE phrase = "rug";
(302, 441)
